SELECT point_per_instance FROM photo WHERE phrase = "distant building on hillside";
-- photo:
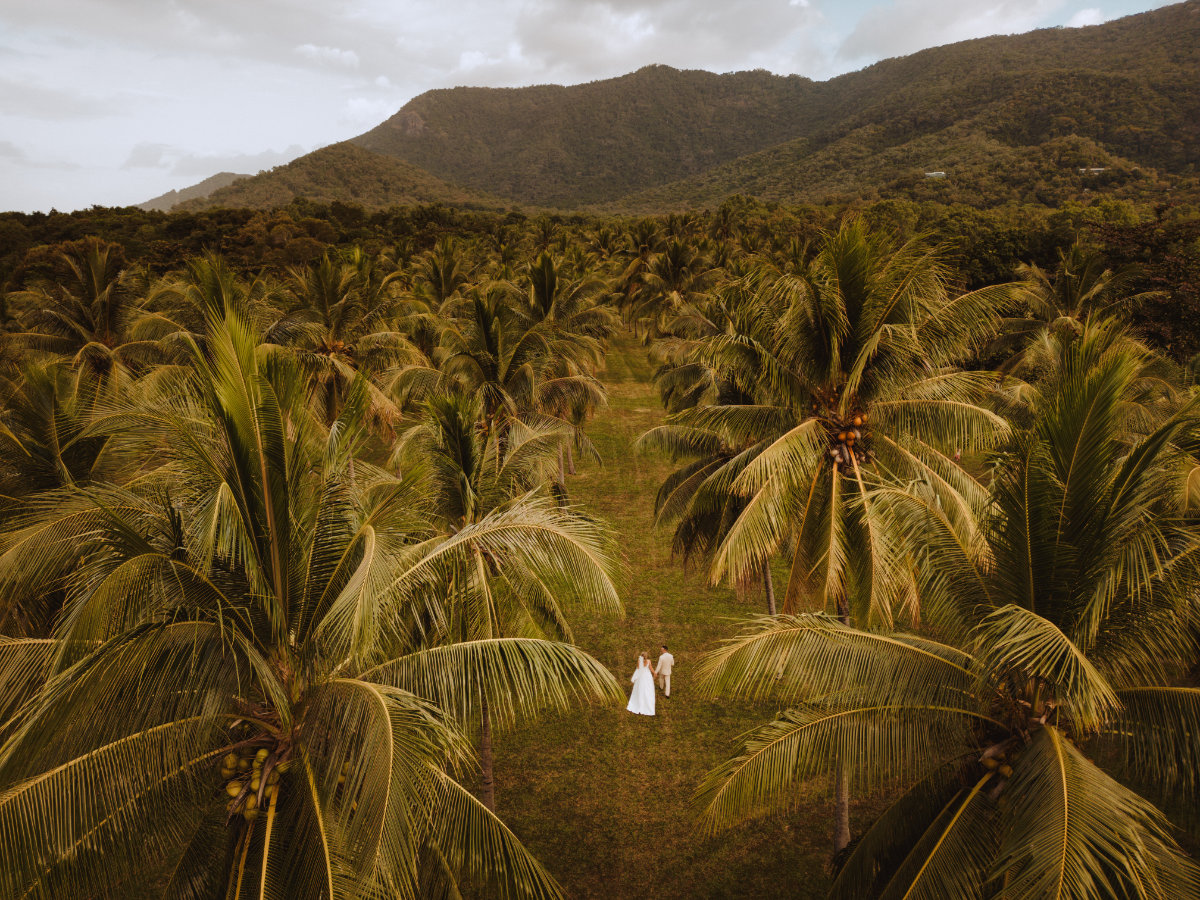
(1096, 170)
(935, 174)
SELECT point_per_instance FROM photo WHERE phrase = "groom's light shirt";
(665, 662)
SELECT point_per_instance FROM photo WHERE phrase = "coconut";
(243, 765)
(273, 777)
(262, 754)
(233, 788)
(230, 761)
(251, 803)
(858, 420)
(1006, 771)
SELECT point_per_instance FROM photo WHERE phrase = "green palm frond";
(76, 828)
(937, 839)
(814, 655)
(1157, 732)
(479, 851)
(1073, 832)
(516, 677)
(872, 744)
(1017, 642)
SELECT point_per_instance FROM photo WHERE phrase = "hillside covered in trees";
(1010, 119)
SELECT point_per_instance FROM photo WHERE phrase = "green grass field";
(602, 796)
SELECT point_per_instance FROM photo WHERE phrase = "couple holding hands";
(641, 700)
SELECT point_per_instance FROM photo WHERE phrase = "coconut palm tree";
(1058, 305)
(1065, 617)
(672, 280)
(570, 310)
(238, 698)
(337, 325)
(522, 367)
(88, 314)
(471, 476)
(852, 370)
(699, 496)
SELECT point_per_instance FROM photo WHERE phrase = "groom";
(662, 670)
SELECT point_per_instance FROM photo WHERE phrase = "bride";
(641, 700)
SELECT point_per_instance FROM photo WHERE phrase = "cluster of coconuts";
(999, 763)
(848, 448)
(250, 791)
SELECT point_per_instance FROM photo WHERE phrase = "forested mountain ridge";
(568, 146)
(1009, 119)
(346, 173)
(201, 190)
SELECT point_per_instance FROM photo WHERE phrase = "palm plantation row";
(279, 553)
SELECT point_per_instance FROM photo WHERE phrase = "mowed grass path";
(601, 796)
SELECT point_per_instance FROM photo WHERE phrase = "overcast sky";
(113, 102)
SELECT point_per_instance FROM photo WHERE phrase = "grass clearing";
(601, 796)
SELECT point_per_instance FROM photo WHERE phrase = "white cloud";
(906, 26)
(180, 161)
(367, 112)
(331, 55)
(1084, 17)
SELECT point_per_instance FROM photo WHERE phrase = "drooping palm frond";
(936, 840)
(515, 677)
(1072, 831)
(869, 743)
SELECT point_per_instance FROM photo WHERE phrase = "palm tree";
(1059, 305)
(1065, 618)
(88, 314)
(238, 698)
(570, 310)
(337, 326)
(473, 476)
(520, 365)
(852, 371)
(672, 280)
(699, 496)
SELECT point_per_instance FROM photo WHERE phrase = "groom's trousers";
(664, 682)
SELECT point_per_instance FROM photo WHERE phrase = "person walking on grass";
(641, 698)
(662, 670)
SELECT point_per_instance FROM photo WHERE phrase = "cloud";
(19, 156)
(906, 26)
(367, 112)
(330, 55)
(31, 100)
(1084, 17)
(178, 161)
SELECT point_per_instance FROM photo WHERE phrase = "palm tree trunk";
(486, 767)
(570, 461)
(841, 800)
(841, 811)
(562, 478)
(769, 587)
(841, 796)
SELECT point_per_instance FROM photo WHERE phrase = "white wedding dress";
(641, 700)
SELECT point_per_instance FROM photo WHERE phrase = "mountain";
(164, 202)
(569, 146)
(345, 173)
(1005, 119)
(1043, 117)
